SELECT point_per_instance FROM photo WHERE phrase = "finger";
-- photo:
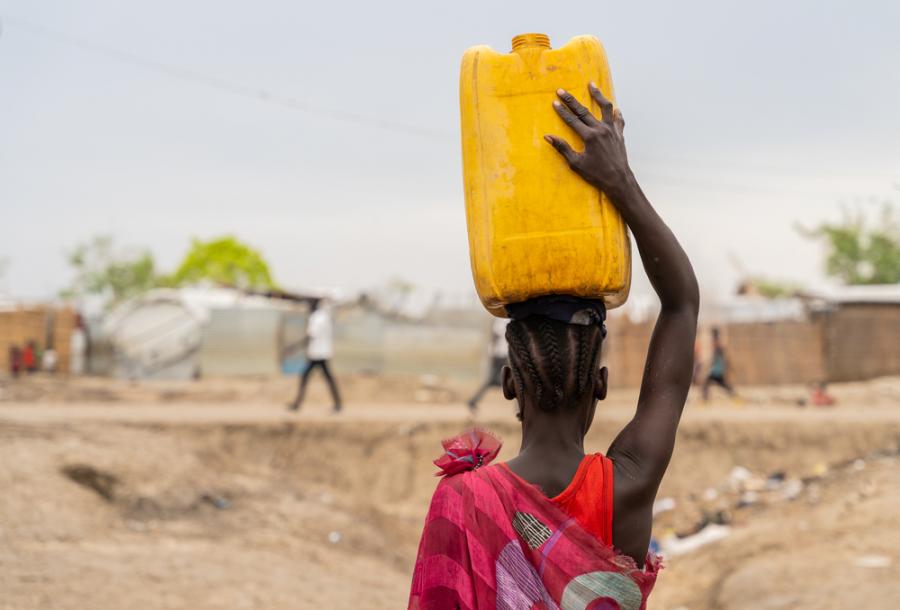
(606, 106)
(618, 120)
(570, 119)
(583, 114)
(563, 148)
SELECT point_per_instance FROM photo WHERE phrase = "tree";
(861, 252)
(767, 288)
(114, 274)
(224, 260)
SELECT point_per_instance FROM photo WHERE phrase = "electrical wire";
(221, 84)
(293, 103)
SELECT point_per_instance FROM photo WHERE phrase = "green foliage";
(224, 261)
(861, 252)
(774, 289)
(116, 275)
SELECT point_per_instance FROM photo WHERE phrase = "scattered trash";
(775, 480)
(748, 498)
(819, 396)
(673, 546)
(663, 505)
(741, 479)
(743, 489)
(334, 537)
(820, 469)
(103, 483)
(791, 489)
(873, 561)
(216, 500)
(813, 494)
(739, 475)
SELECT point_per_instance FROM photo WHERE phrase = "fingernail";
(560, 92)
(557, 104)
(549, 139)
(593, 85)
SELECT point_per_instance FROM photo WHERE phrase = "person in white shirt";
(319, 350)
(499, 353)
(49, 360)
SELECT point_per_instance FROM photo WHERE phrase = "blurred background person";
(78, 345)
(15, 360)
(718, 368)
(319, 351)
(49, 360)
(30, 357)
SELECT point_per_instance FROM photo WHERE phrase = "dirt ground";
(209, 495)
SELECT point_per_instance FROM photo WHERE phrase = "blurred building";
(47, 326)
(214, 332)
(837, 334)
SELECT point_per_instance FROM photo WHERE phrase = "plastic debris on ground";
(663, 505)
(791, 489)
(672, 546)
(873, 561)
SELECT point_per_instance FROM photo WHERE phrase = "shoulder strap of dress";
(606, 497)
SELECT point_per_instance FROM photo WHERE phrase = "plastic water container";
(535, 227)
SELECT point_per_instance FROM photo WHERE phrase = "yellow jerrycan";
(535, 227)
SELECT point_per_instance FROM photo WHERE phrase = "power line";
(292, 103)
(215, 82)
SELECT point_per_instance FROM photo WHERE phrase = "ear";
(508, 383)
(601, 384)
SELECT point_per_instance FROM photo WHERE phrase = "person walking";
(319, 352)
(718, 370)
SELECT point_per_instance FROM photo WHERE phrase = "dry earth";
(209, 495)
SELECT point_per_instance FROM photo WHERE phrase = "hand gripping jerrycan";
(535, 227)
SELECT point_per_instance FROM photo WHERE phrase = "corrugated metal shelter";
(185, 333)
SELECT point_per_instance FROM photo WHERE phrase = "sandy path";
(186, 413)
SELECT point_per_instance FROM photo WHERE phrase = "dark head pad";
(562, 308)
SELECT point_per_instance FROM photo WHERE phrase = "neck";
(552, 434)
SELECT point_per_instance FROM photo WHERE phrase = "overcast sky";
(141, 120)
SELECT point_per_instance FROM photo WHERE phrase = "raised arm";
(642, 450)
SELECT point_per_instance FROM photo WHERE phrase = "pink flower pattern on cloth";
(467, 451)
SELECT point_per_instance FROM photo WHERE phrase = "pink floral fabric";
(492, 541)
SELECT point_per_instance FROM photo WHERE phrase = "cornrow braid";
(520, 358)
(558, 360)
(580, 359)
(554, 360)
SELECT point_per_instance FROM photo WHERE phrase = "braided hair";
(559, 361)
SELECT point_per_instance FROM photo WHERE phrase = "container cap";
(533, 40)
